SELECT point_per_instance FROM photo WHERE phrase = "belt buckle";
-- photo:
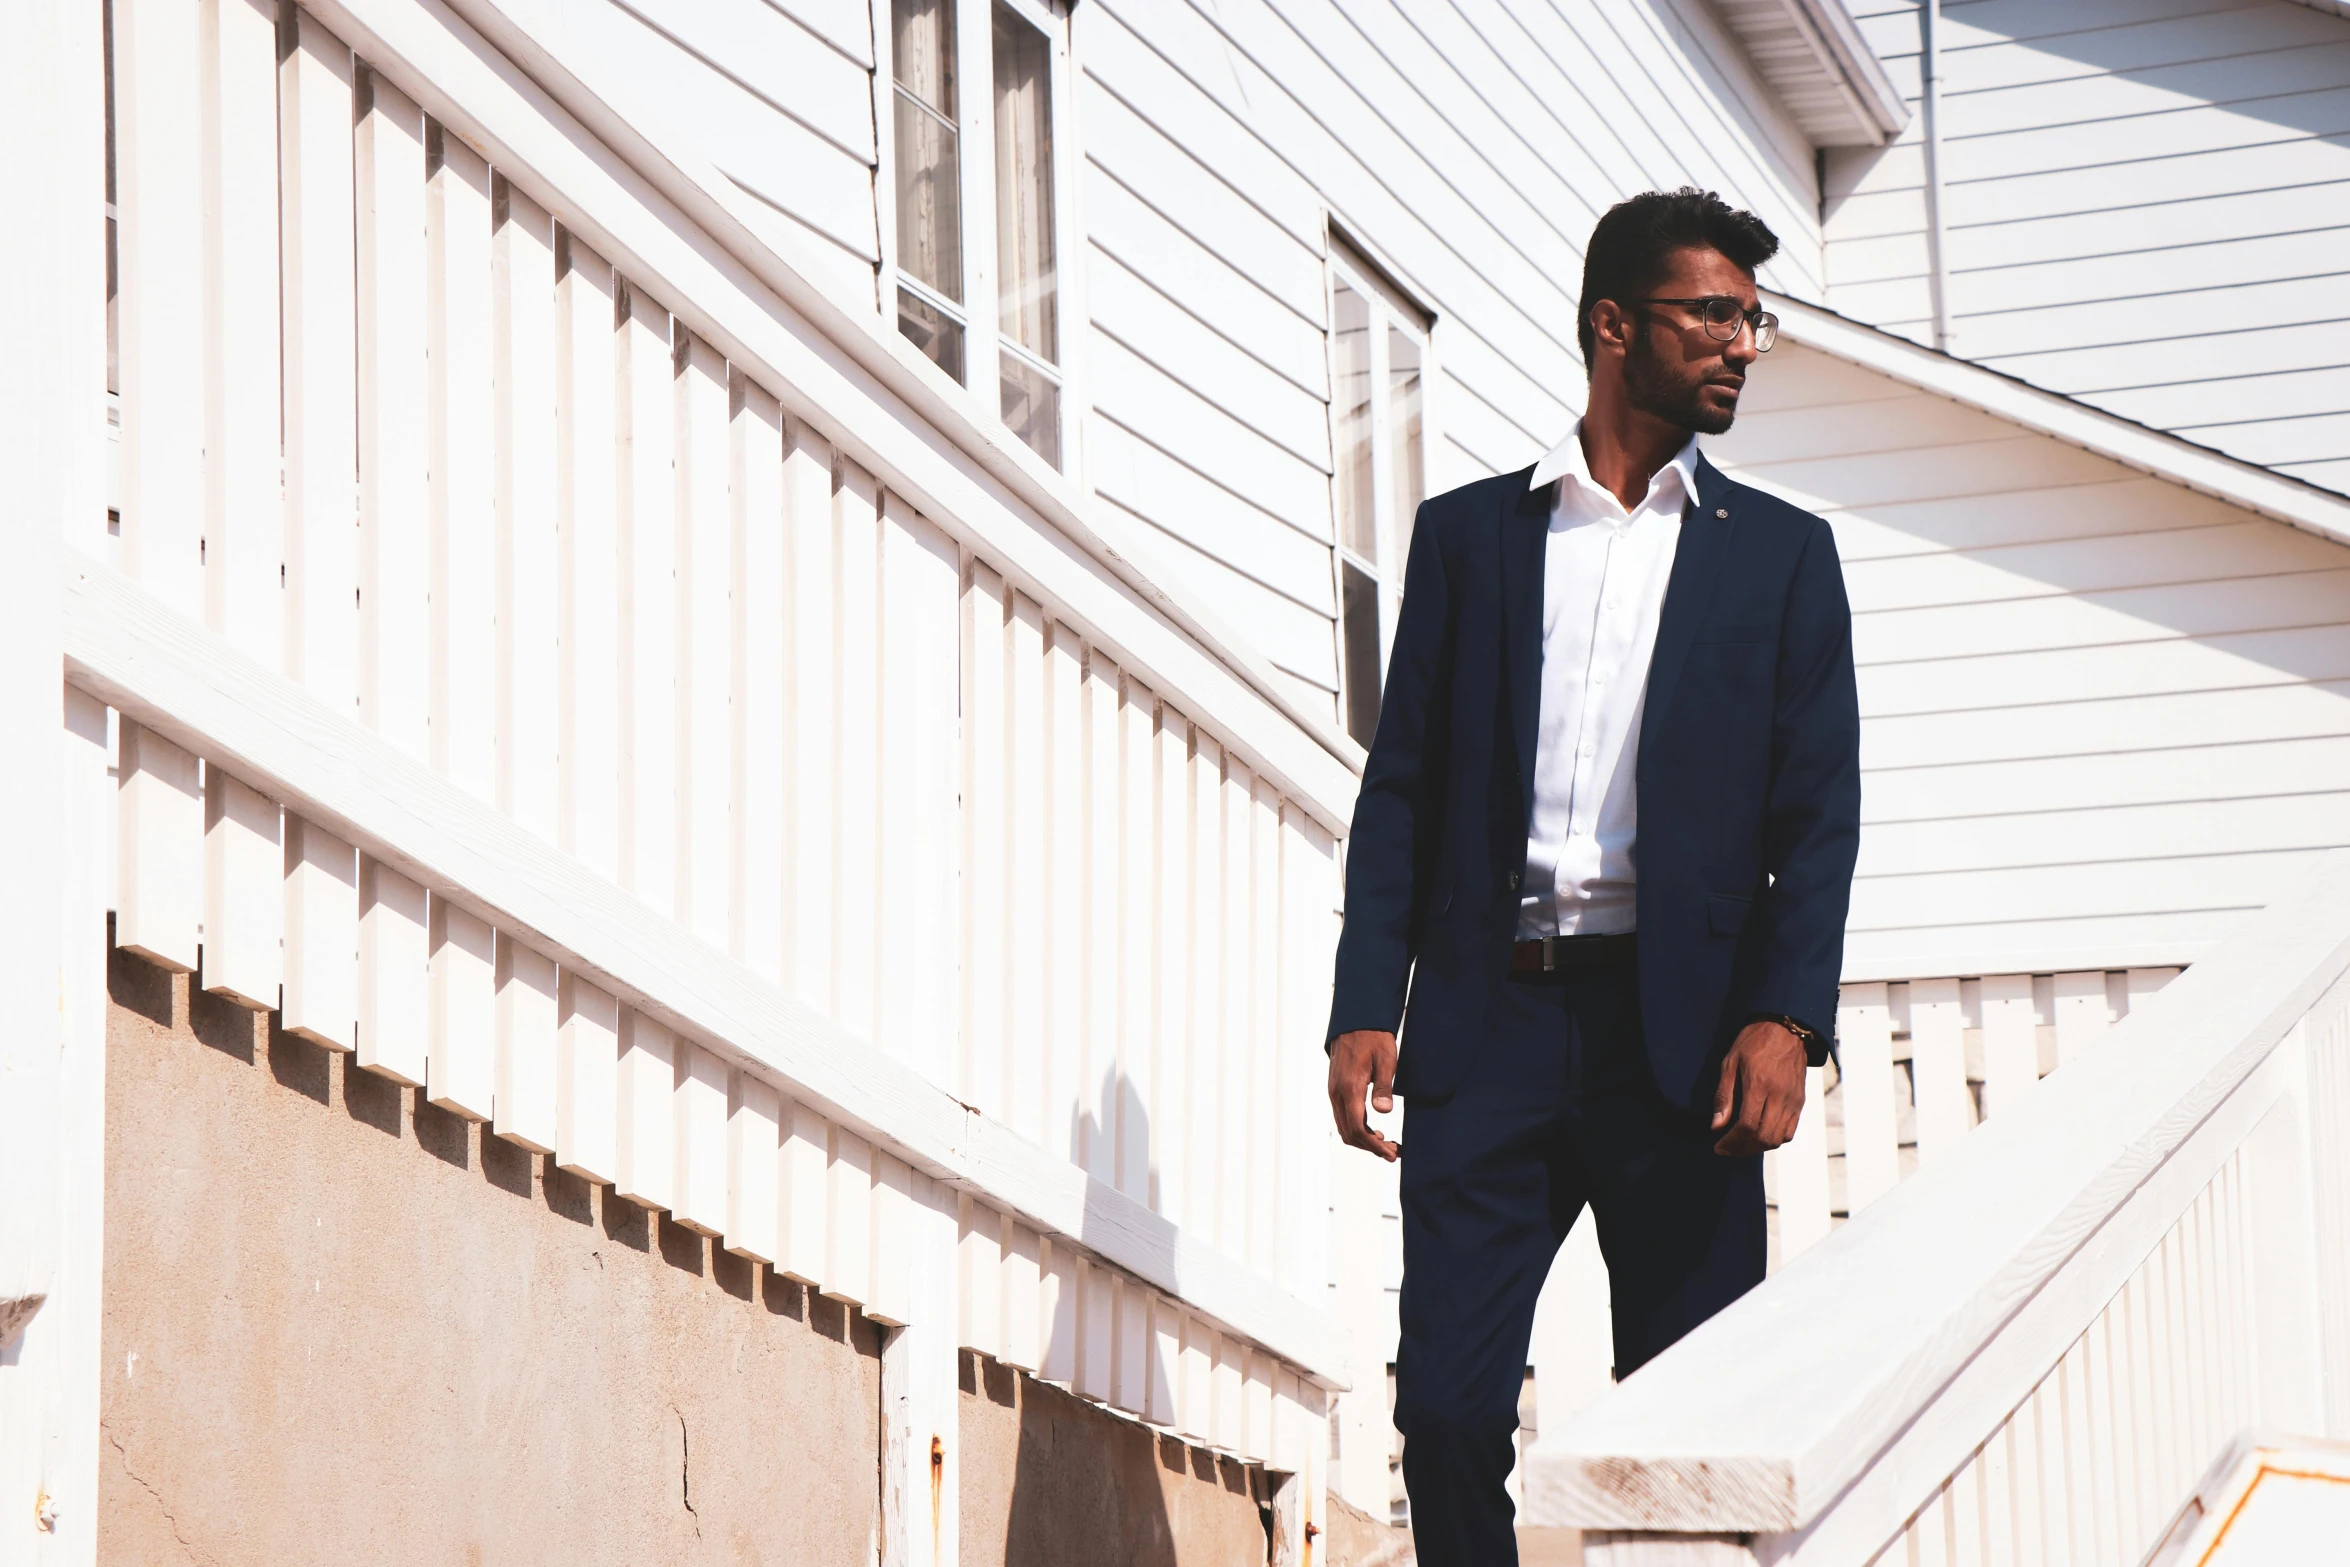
(1550, 954)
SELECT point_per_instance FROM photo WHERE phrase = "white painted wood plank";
(1229, 1426)
(981, 1306)
(1236, 1089)
(803, 1203)
(705, 666)
(1257, 1408)
(395, 975)
(1130, 1382)
(699, 1197)
(986, 881)
(762, 707)
(648, 605)
(159, 896)
(2011, 1053)
(774, 55)
(1060, 1309)
(243, 541)
(1267, 1107)
(1199, 1386)
(462, 1072)
(647, 1128)
(459, 339)
(1864, 1031)
(1027, 1066)
(395, 423)
(848, 1219)
(1102, 843)
(920, 791)
(807, 489)
(244, 903)
(1064, 848)
(1937, 1063)
(753, 1166)
(1801, 1176)
(1136, 1104)
(1097, 1330)
(587, 476)
(1024, 1337)
(160, 296)
(857, 517)
(1309, 893)
(321, 992)
(587, 1082)
(529, 581)
(318, 264)
(1208, 1154)
(529, 1084)
(1171, 1129)
(890, 1301)
(1161, 1403)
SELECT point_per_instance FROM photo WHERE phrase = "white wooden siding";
(1470, 148)
(780, 98)
(2147, 205)
(2103, 718)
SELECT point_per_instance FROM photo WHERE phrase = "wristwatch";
(1815, 1048)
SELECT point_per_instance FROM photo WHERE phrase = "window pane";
(1403, 435)
(1032, 407)
(1024, 187)
(1350, 343)
(930, 203)
(1359, 625)
(932, 330)
(922, 47)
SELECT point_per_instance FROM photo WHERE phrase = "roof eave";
(2165, 456)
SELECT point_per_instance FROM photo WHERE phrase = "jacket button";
(1515, 878)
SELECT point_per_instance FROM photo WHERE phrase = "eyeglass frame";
(1757, 320)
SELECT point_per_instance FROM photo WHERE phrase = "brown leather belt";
(1568, 954)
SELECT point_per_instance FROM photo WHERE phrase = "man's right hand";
(1363, 1063)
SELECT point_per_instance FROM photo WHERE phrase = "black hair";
(1632, 239)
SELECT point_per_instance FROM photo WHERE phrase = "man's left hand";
(1760, 1097)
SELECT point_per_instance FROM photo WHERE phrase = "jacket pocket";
(1725, 915)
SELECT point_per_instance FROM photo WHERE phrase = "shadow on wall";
(1049, 1480)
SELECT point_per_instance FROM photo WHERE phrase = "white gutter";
(1875, 100)
(2125, 441)
(1937, 243)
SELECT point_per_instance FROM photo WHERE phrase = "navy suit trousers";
(1559, 1109)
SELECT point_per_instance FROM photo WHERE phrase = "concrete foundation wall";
(344, 1326)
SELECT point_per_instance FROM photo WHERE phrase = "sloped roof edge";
(1811, 54)
(2152, 451)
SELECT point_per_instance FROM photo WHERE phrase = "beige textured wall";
(341, 1327)
(1049, 1480)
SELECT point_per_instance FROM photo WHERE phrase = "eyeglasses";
(1721, 315)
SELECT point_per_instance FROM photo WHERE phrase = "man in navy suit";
(1605, 846)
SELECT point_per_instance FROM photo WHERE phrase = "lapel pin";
(1722, 512)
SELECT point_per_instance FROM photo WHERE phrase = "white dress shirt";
(1603, 585)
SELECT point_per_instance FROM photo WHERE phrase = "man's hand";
(1760, 1097)
(1365, 1061)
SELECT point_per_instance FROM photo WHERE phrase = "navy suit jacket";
(1748, 777)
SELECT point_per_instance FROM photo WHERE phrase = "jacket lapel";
(1525, 529)
(1706, 523)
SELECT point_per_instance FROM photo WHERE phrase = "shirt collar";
(1565, 461)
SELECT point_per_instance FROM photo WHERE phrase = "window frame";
(985, 345)
(1390, 309)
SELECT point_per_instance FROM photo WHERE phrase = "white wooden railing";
(2029, 1351)
(657, 716)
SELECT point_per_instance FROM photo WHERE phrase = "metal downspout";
(1937, 248)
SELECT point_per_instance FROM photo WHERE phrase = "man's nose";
(1740, 351)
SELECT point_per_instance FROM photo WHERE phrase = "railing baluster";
(461, 1072)
(244, 899)
(395, 976)
(526, 1091)
(587, 1082)
(529, 581)
(321, 993)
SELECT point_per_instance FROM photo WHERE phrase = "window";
(982, 299)
(1378, 353)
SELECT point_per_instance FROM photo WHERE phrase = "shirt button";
(1515, 878)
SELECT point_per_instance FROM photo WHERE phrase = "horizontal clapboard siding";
(2103, 717)
(1469, 147)
(2147, 206)
(779, 98)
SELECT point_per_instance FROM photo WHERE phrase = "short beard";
(1652, 389)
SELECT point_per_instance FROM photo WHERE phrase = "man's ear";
(1610, 326)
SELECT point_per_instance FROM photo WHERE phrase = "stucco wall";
(1049, 1480)
(341, 1326)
